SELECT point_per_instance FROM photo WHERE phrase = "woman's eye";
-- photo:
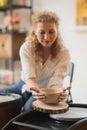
(51, 32)
(42, 32)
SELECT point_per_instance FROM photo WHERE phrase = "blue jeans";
(27, 97)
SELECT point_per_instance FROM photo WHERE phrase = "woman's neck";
(45, 54)
(46, 50)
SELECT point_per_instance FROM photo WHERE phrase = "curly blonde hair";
(45, 16)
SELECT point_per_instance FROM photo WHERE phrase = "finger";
(42, 100)
(60, 100)
(39, 97)
(62, 97)
(63, 94)
(34, 89)
(37, 94)
(67, 88)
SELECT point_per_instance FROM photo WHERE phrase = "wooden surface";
(50, 108)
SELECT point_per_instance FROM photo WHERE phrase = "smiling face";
(46, 33)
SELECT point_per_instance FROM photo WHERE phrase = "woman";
(44, 60)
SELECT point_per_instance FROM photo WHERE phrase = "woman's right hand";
(32, 87)
(37, 95)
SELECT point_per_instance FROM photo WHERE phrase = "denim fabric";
(27, 97)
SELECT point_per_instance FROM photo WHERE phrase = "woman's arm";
(32, 85)
(29, 72)
(60, 70)
(27, 62)
(28, 67)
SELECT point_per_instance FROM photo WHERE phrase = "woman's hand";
(34, 89)
(37, 95)
(32, 85)
(63, 94)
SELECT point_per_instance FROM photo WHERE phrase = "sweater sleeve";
(61, 69)
(27, 62)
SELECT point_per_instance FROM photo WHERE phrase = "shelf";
(11, 41)
(80, 28)
(7, 7)
(13, 32)
(21, 6)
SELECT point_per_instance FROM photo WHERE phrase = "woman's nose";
(46, 36)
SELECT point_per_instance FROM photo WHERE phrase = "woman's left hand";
(63, 94)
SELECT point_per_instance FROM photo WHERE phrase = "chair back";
(70, 74)
(71, 71)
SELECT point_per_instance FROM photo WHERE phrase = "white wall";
(76, 41)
